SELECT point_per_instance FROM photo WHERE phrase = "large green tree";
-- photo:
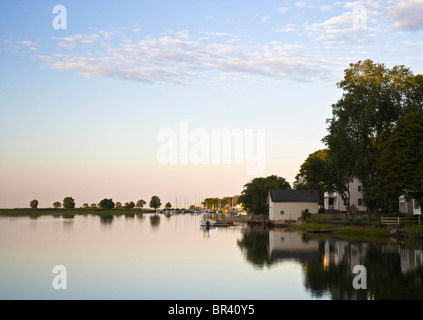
(106, 204)
(140, 203)
(129, 205)
(254, 195)
(362, 120)
(401, 165)
(155, 202)
(312, 173)
(57, 204)
(68, 203)
(34, 204)
(327, 171)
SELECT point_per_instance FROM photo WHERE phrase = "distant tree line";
(69, 203)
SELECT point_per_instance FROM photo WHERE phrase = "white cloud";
(282, 9)
(287, 28)
(71, 42)
(28, 43)
(264, 19)
(351, 26)
(406, 15)
(414, 43)
(172, 60)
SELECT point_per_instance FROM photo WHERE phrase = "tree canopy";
(34, 204)
(129, 205)
(140, 203)
(254, 195)
(155, 202)
(401, 165)
(328, 171)
(106, 204)
(68, 203)
(362, 120)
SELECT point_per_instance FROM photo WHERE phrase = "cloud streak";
(406, 15)
(177, 60)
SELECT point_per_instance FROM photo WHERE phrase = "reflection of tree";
(393, 273)
(384, 278)
(254, 245)
(106, 218)
(154, 221)
(337, 279)
(129, 215)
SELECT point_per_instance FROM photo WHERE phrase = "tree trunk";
(348, 207)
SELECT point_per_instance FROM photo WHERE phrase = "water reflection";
(106, 220)
(254, 244)
(393, 271)
(154, 221)
(68, 222)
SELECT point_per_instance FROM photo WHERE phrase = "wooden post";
(398, 221)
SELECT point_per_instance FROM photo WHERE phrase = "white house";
(333, 201)
(288, 204)
(409, 207)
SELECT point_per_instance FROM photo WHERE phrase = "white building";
(334, 202)
(409, 207)
(288, 204)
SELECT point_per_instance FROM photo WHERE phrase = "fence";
(400, 220)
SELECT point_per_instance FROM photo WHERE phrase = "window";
(416, 205)
(282, 212)
(331, 201)
(359, 188)
(359, 202)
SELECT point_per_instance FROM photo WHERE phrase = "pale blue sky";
(81, 108)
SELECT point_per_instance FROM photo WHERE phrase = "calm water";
(147, 257)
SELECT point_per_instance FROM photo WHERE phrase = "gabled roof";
(294, 195)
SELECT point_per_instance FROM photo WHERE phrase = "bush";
(305, 215)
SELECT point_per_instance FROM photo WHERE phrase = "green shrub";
(305, 215)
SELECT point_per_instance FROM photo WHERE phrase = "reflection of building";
(334, 202)
(338, 251)
(411, 259)
(285, 245)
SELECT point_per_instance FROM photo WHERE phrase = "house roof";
(294, 195)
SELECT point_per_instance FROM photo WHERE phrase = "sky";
(180, 99)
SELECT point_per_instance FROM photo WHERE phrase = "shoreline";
(357, 231)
